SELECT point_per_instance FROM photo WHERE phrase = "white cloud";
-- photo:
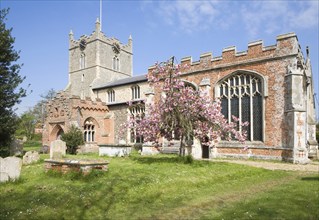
(271, 16)
(307, 16)
(189, 15)
(256, 17)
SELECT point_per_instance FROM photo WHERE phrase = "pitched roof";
(125, 81)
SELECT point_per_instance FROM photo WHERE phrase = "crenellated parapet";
(286, 45)
(99, 35)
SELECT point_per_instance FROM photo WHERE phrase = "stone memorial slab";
(44, 149)
(57, 149)
(10, 168)
(31, 157)
(16, 148)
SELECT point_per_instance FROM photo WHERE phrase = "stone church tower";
(96, 60)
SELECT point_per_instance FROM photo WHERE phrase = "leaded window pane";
(225, 107)
(245, 113)
(257, 117)
(235, 107)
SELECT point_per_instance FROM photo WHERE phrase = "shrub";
(188, 159)
(73, 138)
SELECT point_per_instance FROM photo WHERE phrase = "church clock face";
(82, 44)
(116, 48)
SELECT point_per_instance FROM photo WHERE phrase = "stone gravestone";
(30, 157)
(16, 148)
(10, 168)
(44, 149)
(57, 149)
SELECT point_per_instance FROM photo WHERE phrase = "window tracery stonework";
(242, 96)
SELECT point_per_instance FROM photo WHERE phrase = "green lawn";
(162, 187)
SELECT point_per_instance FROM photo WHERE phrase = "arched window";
(135, 92)
(242, 96)
(111, 96)
(82, 61)
(89, 131)
(116, 63)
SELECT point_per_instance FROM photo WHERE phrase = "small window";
(136, 92)
(111, 96)
(89, 131)
(82, 61)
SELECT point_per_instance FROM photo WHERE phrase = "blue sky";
(160, 29)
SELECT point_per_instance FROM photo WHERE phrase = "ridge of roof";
(125, 81)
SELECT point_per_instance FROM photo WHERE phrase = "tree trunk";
(181, 147)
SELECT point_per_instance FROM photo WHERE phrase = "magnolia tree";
(183, 113)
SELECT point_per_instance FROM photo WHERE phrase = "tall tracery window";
(111, 96)
(242, 96)
(89, 131)
(136, 92)
(137, 112)
(116, 63)
(82, 61)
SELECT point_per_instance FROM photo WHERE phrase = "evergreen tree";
(73, 139)
(10, 80)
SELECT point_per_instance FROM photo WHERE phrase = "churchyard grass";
(161, 187)
(32, 145)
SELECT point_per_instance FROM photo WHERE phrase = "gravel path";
(312, 167)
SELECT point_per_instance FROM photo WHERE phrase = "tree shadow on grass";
(106, 195)
(155, 159)
(170, 159)
(310, 178)
(74, 198)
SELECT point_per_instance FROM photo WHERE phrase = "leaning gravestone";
(10, 168)
(31, 157)
(57, 149)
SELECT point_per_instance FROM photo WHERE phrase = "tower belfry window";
(116, 63)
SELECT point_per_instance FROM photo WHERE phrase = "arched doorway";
(56, 133)
(59, 134)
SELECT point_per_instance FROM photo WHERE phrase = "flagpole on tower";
(100, 15)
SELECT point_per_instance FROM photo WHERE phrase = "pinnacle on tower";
(71, 35)
(97, 25)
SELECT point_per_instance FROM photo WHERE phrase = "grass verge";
(161, 187)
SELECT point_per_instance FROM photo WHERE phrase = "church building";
(271, 87)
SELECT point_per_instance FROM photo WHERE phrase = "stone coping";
(81, 162)
(115, 145)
